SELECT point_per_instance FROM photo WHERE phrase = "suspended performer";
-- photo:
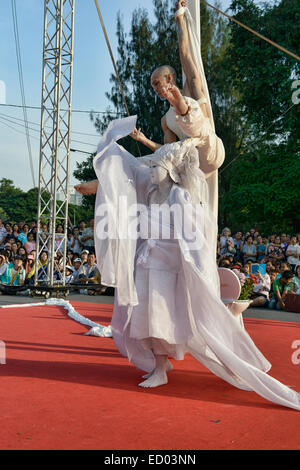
(167, 300)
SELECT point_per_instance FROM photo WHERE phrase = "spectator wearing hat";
(76, 272)
(69, 274)
(84, 256)
(14, 274)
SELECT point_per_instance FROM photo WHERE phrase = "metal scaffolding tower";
(55, 139)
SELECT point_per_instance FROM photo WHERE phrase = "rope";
(112, 57)
(254, 32)
(22, 89)
(114, 64)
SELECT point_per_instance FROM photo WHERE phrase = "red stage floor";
(63, 390)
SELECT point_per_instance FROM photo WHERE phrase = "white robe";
(165, 290)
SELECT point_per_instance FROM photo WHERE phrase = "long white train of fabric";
(96, 329)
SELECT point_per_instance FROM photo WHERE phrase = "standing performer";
(167, 300)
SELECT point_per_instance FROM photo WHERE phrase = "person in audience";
(76, 272)
(275, 251)
(75, 241)
(295, 285)
(30, 244)
(249, 250)
(281, 287)
(3, 232)
(88, 270)
(238, 245)
(226, 243)
(84, 256)
(14, 275)
(24, 234)
(3, 263)
(261, 249)
(87, 238)
(261, 290)
(293, 253)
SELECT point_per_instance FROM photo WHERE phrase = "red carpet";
(63, 390)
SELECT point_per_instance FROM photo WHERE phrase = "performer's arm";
(188, 65)
(140, 137)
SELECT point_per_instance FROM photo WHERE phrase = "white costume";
(167, 291)
(167, 298)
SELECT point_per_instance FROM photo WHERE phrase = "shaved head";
(165, 70)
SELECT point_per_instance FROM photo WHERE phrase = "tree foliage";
(250, 84)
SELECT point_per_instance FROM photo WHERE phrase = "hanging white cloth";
(192, 19)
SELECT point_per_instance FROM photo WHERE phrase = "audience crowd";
(270, 265)
(277, 254)
(18, 257)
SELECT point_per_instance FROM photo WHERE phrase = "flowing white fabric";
(173, 290)
(194, 32)
(96, 328)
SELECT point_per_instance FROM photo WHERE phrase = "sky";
(92, 69)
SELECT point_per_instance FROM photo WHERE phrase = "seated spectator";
(238, 245)
(296, 281)
(283, 267)
(3, 264)
(15, 232)
(87, 238)
(9, 232)
(42, 267)
(14, 275)
(261, 249)
(23, 235)
(69, 274)
(246, 270)
(76, 272)
(284, 242)
(30, 244)
(261, 290)
(81, 227)
(224, 263)
(75, 242)
(275, 251)
(281, 287)
(249, 250)
(89, 270)
(29, 267)
(84, 256)
(59, 238)
(3, 233)
(293, 253)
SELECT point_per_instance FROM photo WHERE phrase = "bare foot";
(157, 379)
(169, 367)
(87, 188)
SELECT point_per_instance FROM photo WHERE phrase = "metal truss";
(55, 138)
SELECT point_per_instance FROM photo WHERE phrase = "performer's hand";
(175, 98)
(137, 134)
(181, 4)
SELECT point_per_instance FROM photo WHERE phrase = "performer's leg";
(87, 188)
(159, 375)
